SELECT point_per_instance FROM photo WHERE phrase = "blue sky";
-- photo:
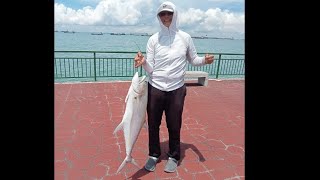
(218, 18)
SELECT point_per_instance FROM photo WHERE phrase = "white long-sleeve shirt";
(168, 53)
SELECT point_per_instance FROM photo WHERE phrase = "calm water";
(85, 41)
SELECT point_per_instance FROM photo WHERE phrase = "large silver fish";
(134, 117)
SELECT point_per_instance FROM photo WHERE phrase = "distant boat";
(68, 31)
(100, 33)
(200, 37)
(117, 34)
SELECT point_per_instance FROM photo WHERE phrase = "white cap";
(166, 7)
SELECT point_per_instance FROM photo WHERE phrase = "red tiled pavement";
(212, 136)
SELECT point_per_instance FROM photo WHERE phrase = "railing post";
(94, 66)
(218, 66)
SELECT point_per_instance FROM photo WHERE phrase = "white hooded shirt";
(168, 53)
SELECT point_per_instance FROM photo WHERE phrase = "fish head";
(139, 84)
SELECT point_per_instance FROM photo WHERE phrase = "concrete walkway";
(212, 136)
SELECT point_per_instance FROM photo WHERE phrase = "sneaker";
(171, 165)
(151, 163)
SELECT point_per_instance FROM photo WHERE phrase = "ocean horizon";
(86, 41)
(98, 41)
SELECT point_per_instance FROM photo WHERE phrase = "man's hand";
(139, 59)
(208, 59)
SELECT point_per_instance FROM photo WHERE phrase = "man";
(168, 53)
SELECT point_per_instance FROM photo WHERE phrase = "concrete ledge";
(201, 75)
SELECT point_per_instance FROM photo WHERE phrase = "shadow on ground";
(192, 84)
(165, 149)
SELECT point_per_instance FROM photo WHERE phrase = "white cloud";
(140, 14)
(226, 1)
(105, 13)
(212, 20)
(191, 17)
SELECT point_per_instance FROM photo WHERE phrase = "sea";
(85, 41)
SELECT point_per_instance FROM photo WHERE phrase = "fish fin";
(128, 94)
(126, 98)
(120, 126)
(145, 125)
(125, 161)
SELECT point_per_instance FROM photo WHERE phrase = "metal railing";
(96, 65)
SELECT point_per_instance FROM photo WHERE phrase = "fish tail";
(135, 163)
(120, 126)
(125, 161)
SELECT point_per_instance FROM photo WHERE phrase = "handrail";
(130, 52)
(96, 66)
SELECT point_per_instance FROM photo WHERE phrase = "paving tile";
(212, 134)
